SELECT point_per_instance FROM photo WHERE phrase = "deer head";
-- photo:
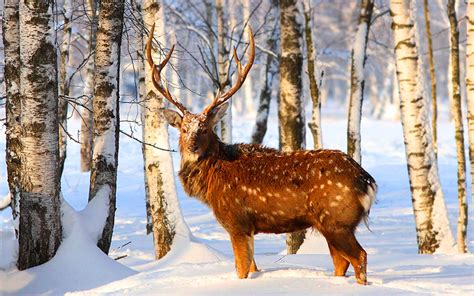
(196, 130)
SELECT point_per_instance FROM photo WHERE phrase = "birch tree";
(87, 119)
(64, 82)
(432, 224)
(455, 99)
(434, 102)
(140, 40)
(161, 188)
(103, 181)
(11, 42)
(271, 70)
(290, 110)
(470, 85)
(223, 68)
(40, 224)
(358, 58)
(315, 123)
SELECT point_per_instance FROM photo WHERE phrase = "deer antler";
(156, 72)
(241, 75)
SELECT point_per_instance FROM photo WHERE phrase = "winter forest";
(252, 147)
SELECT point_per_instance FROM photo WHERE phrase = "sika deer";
(253, 189)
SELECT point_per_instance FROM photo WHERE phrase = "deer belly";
(269, 223)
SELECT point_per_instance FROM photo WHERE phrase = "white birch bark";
(456, 111)
(168, 223)
(87, 116)
(358, 58)
(290, 111)
(315, 123)
(11, 42)
(106, 112)
(470, 86)
(432, 224)
(40, 225)
(64, 82)
(223, 68)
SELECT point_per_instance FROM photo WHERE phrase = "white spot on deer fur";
(333, 204)
(338, 197)
(244, 188)
(329, 182)
(277, 194)
(331, 161)
(368, 199)
(339, 184)
(262, 198)
(274, 213)
(280, 212)
(321, 218)
(326, 212)
(269, 194)
(237, 201)
(325, 194)
(346, 188)
(322, 186)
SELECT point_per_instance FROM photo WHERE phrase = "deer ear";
(217, 114)
(172, 117)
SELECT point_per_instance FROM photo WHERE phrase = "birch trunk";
(434, 102)
(40, 224)
(223, 68)
(457, 116)
(137, 5)
(358, 58)
(290, 111)
(432, 224)
(11, 42)
(87, 116)
(159, 172)
(106, 126)
(64, 84)
(315, 124)
(470, 86)
(271, 70)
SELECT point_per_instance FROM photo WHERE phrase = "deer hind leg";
(341, 264)
(349, 248)
(243, 254)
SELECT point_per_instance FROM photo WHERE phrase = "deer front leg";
(253, 265)
(243, 254)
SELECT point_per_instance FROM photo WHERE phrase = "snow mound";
(78, 263)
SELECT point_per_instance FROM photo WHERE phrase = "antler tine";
(156, 72)
(241, 75)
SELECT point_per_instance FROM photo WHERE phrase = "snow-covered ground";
(204, 265)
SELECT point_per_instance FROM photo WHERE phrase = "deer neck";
(195, 170)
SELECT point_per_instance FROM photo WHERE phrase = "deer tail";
(367, 200)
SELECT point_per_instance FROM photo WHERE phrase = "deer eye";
(184, 130)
